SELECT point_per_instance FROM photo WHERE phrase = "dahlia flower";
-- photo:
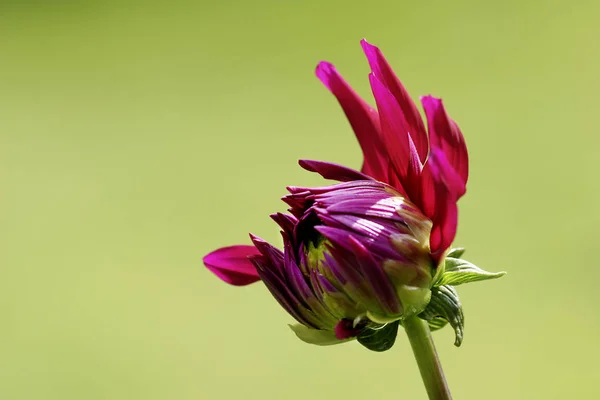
(364, 255)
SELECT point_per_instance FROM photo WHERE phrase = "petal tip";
(326, 73)
(367, 46)
(232, 265)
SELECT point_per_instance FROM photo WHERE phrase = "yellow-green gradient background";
(137, 136)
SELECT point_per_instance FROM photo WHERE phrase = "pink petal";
(445, 135)
(231, 264)
(333, 171)
(383, 71)
(395, 135)
(362, 117)
(441, 187)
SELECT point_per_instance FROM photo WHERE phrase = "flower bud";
(355, 254)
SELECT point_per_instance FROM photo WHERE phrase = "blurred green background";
(137, 136)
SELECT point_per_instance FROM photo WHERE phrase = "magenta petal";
(362, 117)
(231, 264)
(395, 136)
(445, 135)
(383, 71)
(441, 187)
(333, 171)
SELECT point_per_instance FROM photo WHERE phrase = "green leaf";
(437, 323)
(445, 305)
(456, 253)
(458, 271)
(380, 338)
(316, 336)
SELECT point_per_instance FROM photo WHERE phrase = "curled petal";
(441, 188)
(445, 135)
(231, 264)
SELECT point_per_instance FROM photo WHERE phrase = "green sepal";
(437, 323)
(458, 271)
(316, 336)
(445, 305)
(456, 253)
(379, 338)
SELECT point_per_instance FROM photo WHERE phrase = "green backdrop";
(137, 136)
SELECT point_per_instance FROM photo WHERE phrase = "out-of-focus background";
(137, 136)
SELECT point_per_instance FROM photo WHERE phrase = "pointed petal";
(333, 171)
(278, 288)
(342, 266)
(445, 135)
(382, 70)
(285, 221)
(354, 265)
(362, 117)
(304, 292)
(395, 135)
(376, 276)
(231, 264)
(273, 254)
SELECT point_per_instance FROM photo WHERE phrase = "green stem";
(429, 364)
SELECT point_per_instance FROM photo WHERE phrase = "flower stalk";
(429, 364)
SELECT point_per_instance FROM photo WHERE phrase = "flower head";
(369, 250)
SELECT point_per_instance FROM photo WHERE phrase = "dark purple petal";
(311, 300)
(384, 73)
(273, 254)
(231, 264)
(278, 288)
(445, 135)
(376, 276)
(343, 267)
(324, 284)
(362, 117)
(286, 222)
(333, 171)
